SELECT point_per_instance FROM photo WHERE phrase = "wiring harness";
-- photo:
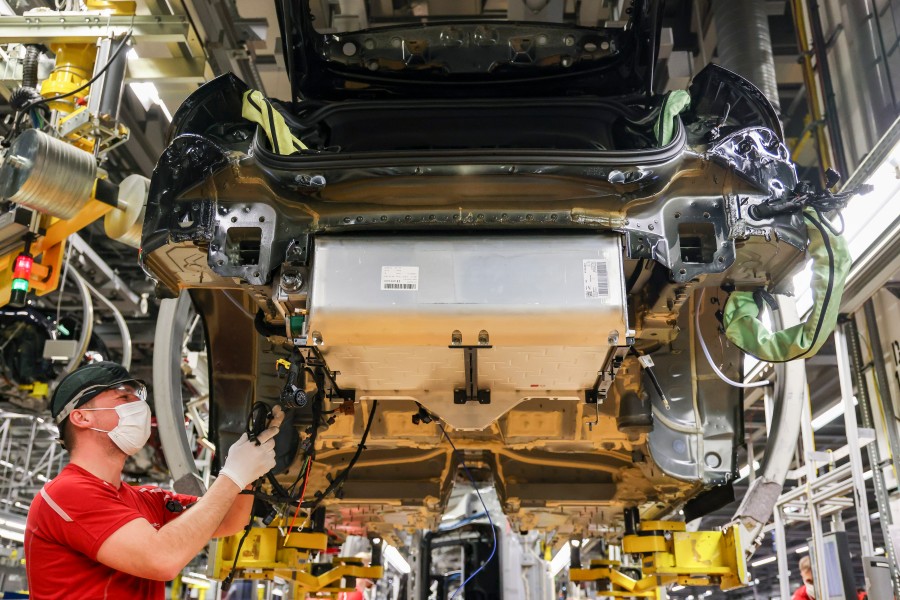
(286, 497)
(804, 195)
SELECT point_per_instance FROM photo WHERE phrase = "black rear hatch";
(403, 53)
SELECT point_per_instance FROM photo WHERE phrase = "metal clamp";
(471, 393)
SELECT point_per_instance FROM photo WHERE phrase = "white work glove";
(246, 461)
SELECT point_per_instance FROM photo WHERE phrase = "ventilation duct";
(745, 45)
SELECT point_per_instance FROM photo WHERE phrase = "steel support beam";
(87, 27)
(871, 271)
(865, 410)
(227, 41)
(884, 388)
(882, 497)
(167, 70)
(845, 372)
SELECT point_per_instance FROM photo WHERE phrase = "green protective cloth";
(831, 264)
(673, 105)
(258, 109)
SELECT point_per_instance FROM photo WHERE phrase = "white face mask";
(810, 590)
(133, 429)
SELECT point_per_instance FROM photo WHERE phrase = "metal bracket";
(471, 393)
(606, 376)
(299, 250)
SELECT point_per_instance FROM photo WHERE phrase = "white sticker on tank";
(400, 278)
(596, 278)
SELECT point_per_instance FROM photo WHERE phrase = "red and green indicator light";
(21, 278)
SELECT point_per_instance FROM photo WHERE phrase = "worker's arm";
(237, 516)
(140, 549)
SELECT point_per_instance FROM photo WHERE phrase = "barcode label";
(399, 286)
(596, 279)
(400, 278)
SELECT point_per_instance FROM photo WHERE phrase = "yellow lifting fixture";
(619, 585)
(670, 554)
(50, 247)
(270, 552)
(690, 557)
(88, 116)
(75, 61)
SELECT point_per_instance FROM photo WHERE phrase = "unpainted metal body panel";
(499, 237)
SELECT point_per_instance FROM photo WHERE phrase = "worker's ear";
(81, 418)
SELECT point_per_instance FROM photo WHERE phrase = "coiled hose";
(27, 93)
(30, 66)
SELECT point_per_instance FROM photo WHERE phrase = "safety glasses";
(122, 389)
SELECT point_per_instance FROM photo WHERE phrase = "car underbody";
(461, 274)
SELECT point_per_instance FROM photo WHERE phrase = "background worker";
(88, 535)
(808, 589)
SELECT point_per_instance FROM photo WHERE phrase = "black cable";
(257, 420)
(269, 498)
(821, 202)
(277, 487)
(828, 288)
(30, 66)
(22, 97)
(829, 225)
(337, 481)
(228, 579)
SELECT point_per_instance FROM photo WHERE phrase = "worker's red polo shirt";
(800, 594)
(70, 519)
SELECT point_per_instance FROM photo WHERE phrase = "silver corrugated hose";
(47, 174)
(762, 495)
(745, 45)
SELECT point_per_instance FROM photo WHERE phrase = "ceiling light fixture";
(764, 561)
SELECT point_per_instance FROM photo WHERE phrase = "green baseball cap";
(80, 386)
